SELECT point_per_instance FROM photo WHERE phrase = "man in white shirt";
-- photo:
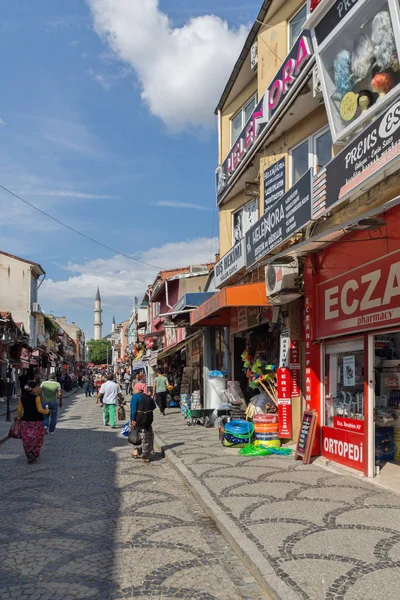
(109, 393)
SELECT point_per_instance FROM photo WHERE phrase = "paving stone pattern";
(326, 536)
(87, 521)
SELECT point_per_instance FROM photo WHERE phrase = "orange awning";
(216, 310)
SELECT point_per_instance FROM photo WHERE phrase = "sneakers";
(52, 432)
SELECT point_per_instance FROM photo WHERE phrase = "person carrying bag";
(142, 408)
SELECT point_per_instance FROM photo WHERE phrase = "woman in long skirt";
(30, 412)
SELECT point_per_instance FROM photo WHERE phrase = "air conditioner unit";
(283, 283)
(316, 83)
(36, 307)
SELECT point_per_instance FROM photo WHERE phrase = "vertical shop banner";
(284, 403)
(308, 315)
(274, 183)
(284, 351)
(295, 367)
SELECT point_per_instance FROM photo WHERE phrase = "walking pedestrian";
(139, 386)
(31, 413)
(108, 395)
(51, 397)
(89, 386)
(161, 387)
(142, 408)
(127, 380)
(80, 380)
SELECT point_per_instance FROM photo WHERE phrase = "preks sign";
(366, 156)
(281, 221)
(230, 264)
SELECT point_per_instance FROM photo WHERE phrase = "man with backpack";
(142, 408)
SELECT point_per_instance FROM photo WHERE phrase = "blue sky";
(107, 123)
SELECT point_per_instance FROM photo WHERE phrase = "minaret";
(113, 325)
(97, 317)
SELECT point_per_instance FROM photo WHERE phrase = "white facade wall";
(18, 291)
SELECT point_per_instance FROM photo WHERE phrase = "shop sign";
(363, 159)
(149, 343)
(279, 90)
(290, 214)
(284, 348)
(253, 313)
(242, 318)
(356, 426)
(308, 336)
(230, 264)
(274, 183)
(284, 403)
(295, 367)
(365, 298)
(344, 447)
(333, 17)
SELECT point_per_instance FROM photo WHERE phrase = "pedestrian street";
(87, 521)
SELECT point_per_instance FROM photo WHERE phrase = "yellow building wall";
(273, 43)
(226, 223)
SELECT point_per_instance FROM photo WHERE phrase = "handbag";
(16, 430)
(133, 437)
(121, 413)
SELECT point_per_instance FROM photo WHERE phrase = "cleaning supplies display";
(266, 427)
(237, 433)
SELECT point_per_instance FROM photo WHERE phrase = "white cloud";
(2, 122)
(119, 278)
(100, 78)
(173, 204)
(182, 70)
(70, 194)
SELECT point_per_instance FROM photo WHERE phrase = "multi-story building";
(19, 284)
(307, 190)
(77, 335)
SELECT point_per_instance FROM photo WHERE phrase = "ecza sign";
(362, 299)
(265, 109)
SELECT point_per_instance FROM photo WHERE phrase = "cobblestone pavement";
(88, 522)
(314, 534)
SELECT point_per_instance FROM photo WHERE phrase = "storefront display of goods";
(266, 430)
(237, 434)
(361, 64)
(384, 416)
(237, 403)
(260, 374)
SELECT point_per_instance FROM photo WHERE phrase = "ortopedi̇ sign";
(280, 89)
(362, 160)
(230, 264)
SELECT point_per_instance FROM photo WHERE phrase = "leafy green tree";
(97, 351)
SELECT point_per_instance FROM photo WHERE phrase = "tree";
(98, 350)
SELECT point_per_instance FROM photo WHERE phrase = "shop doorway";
(387, 403)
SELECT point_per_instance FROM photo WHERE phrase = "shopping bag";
(126, 429)
(133, 437)
(121, 413)
(15, 431)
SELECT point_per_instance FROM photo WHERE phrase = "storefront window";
(296, 25)
(344, 383)
(300, 161)
(322, 150)
(360, 65)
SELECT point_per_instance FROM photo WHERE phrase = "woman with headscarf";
(138, 385)
(30, 412)
(142, 408)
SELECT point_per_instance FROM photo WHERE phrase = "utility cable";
(78, 232)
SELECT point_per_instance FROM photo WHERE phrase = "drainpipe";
(166, 294)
